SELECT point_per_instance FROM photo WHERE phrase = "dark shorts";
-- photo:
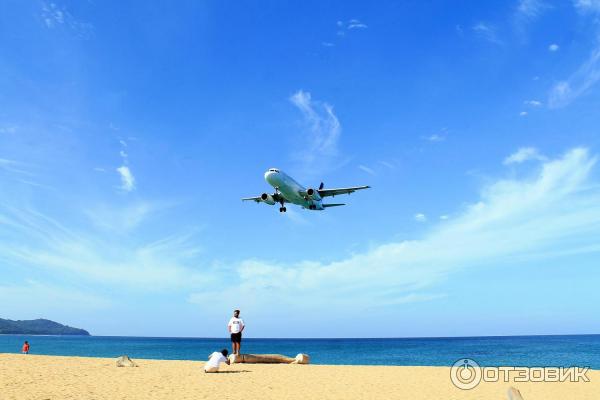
(236, 337)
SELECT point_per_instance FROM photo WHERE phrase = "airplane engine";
(267, 198)
(313, 194)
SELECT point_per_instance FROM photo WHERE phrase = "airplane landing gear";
(282, 209)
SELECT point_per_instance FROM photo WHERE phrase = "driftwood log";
(514, 394)
(125, 361)
(268, 359)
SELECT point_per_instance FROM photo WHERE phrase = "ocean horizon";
(518, 351)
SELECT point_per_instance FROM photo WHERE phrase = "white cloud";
(587, 6)
(524, 154)
(528, 11)
(580, 82)
(55, 16)
(34, 241)
(24, 299)
(127, 178)
(420, 217)
(356, 24)
(8, 129)
(125, 218)
(523, 113)
(367, 169)
(553, 47)
(351, 24)
(555, 212)
(487, 32)
(13, 166)
(324, 127)
(4, 161)
(52, 15)
(444, 217)
(531, 8)
(327, 44)
(533, 103)
(387, 164)
(435, 138)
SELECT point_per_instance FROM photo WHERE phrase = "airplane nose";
(271, 177)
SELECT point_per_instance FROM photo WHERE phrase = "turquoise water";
(527, 351)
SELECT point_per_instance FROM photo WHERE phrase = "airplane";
(287, 190)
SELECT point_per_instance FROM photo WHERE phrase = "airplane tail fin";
(333, 205)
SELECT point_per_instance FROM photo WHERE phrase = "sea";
(518, 351)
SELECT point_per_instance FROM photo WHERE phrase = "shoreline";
(319, 338)
(58, 377)
(314, 364)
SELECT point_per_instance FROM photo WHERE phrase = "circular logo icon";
(465, 374)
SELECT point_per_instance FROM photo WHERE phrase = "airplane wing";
(256, 199)
(275, 196)
(335, 192)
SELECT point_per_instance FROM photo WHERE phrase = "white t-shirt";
(215, 360)
(236, 324)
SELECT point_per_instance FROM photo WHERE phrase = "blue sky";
(129, 133)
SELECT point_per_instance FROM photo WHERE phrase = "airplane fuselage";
(287, 190)
(292, 191)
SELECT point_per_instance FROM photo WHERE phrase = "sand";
(53, 378)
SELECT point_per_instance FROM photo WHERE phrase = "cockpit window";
(273, 170)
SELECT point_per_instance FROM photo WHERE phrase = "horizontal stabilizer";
(333, 205)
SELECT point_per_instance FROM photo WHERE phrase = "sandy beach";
(54, 378)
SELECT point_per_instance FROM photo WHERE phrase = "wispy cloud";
(55, 16)
(580, 82)
(127, 178)
(587, 6)
(487, 32)
(531, 8)
(8, 129)
(323, 125)
(366, 169)
(527, 11)
(420, 217)
(523, 113)
(36, 241)
(524, 154)
(356, 24)
(533, 103)
(124, 218)
(553, 47)
(387, 164)
(15, 167)
(353, 24)
(54, 297)
(513, 219)
(435, 138)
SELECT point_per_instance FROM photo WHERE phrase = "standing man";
(25, 347)
(236, 327)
